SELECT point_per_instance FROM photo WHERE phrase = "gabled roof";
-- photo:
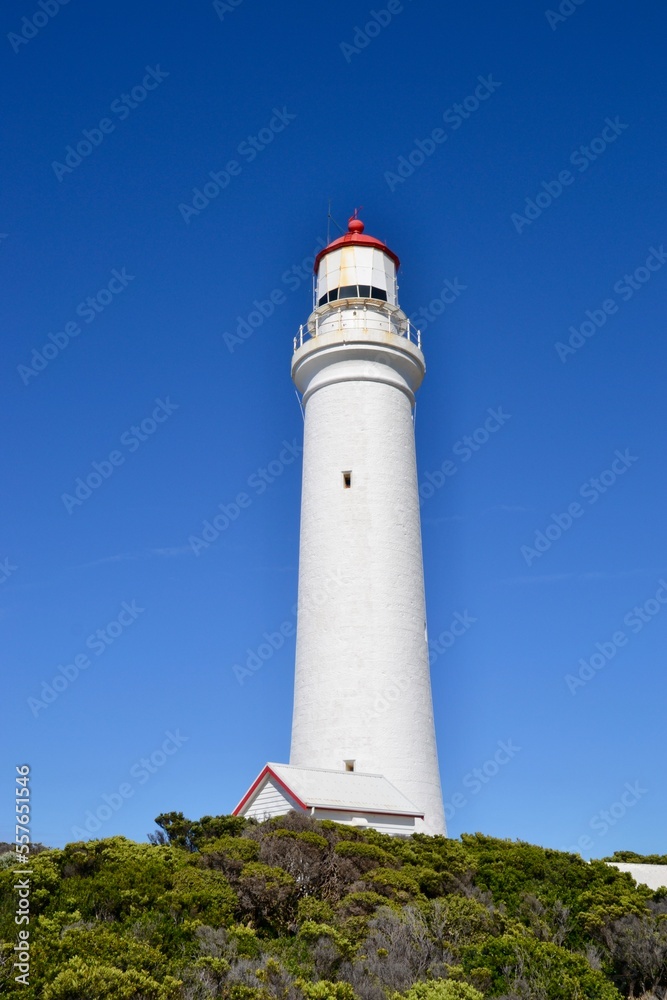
(345, 791)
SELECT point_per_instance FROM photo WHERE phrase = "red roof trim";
(258, 780)
(287, 789)
(252, 788)
(356, 239)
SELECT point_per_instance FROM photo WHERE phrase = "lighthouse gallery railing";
(371, 322)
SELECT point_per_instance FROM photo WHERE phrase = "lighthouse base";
(365, 801)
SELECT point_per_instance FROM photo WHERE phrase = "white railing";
(370, 322)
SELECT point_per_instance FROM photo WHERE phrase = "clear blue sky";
(179, 89)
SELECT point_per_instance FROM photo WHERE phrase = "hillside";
(300, 910)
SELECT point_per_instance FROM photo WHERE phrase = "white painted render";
(362, 683)
(654, 876)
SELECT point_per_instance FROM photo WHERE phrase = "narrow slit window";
(347, 480)
(349, 765)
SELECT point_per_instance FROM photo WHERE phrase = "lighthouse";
(363, 747)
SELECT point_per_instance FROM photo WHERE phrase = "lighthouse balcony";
(359, 316)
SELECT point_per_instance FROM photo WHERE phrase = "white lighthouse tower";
(363, 736)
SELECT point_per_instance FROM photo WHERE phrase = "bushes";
(365, 856)
(324, 990)
(190, 835)
(80, 979)
(293, 909)
(301, 854)
(267, 896)
(311, 908)
(523, 966)
(204, 895)
(395, 884)
(311, 931)
(357, 904)
(638, 946)
(441, 989)
(238, 848)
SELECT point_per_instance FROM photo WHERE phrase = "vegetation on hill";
(293, 909)
(630, 858)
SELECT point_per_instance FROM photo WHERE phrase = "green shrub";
(440, 989)
(368, 855)
(238, 848)
(312, 908)
(267, 896)
(357, 904)
(325, 990)
(393, 882)
(203, 894)
(80, 978)
(547, 969)
(311, 931)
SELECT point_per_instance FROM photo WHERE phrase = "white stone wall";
(368, 640)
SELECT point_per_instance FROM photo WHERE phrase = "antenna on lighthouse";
(331, 219)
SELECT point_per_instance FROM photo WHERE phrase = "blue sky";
(540, 201)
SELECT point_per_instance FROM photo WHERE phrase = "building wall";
(271, 801)
(654, 876)
(392, 825)
(366, 642)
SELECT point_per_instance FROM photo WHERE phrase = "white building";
(363, 736)
(653, 876)
(342, 796)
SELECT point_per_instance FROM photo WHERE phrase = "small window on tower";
(347, 480)
(349, 765)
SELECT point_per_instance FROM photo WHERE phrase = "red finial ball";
(355, 225)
